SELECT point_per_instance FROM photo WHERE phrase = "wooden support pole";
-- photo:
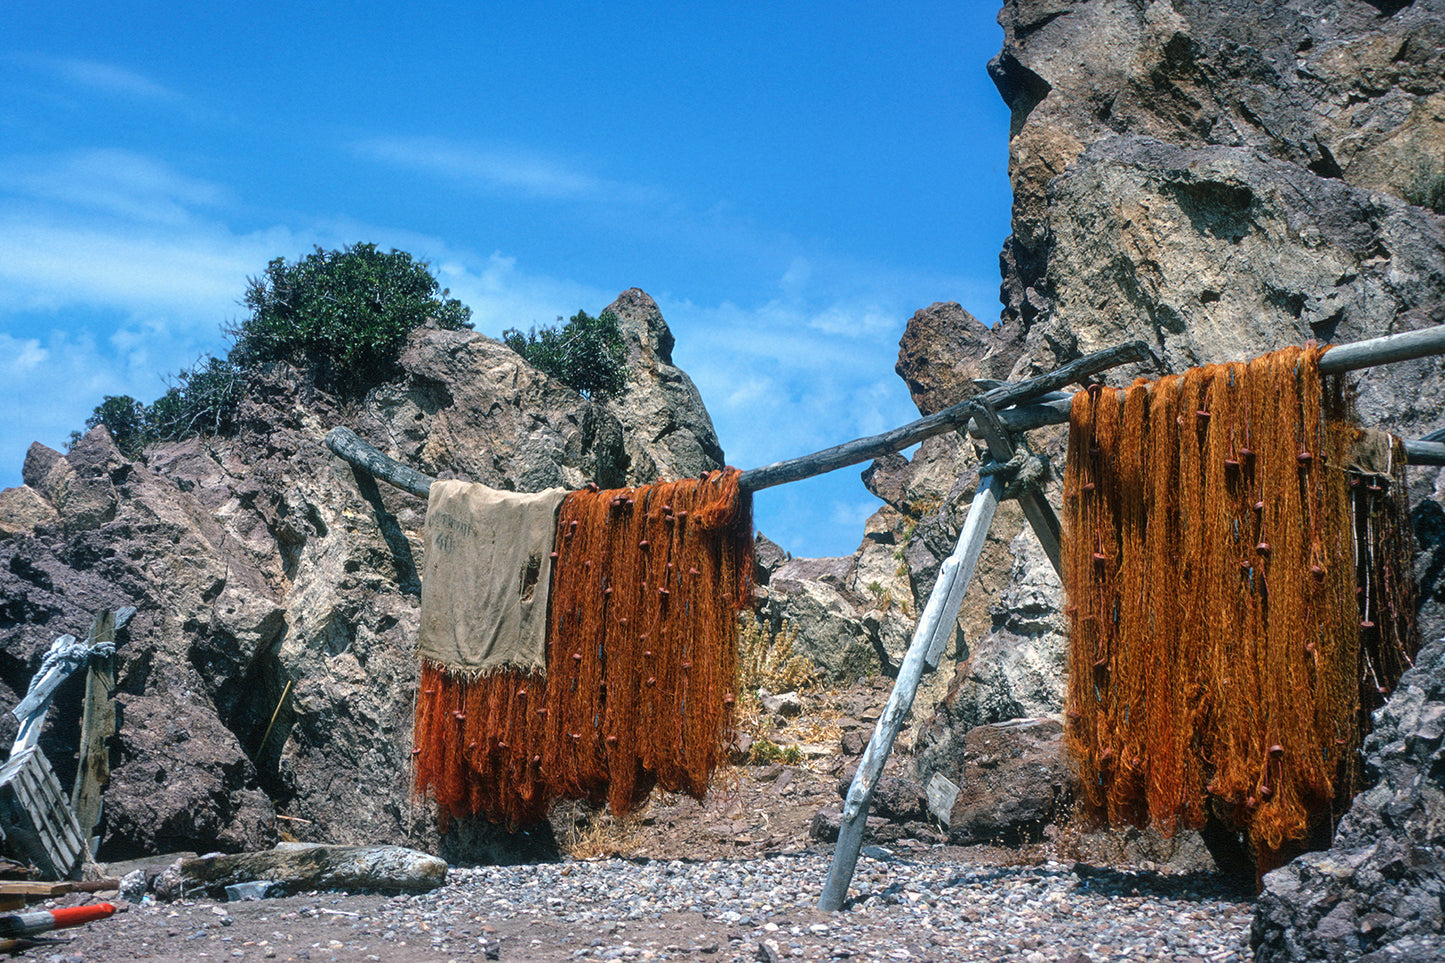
(949, 419)
(345, 442)
(1389, 349)
(935, 626)
(1424, 453)
(1037, 510)
(1340, 358)
(97, 726)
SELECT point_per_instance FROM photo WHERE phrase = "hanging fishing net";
(641, 650)
(1237, 573)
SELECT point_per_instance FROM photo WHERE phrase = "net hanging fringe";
(1238, 601)
(641, 658)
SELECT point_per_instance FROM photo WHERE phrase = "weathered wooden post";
(931, 635)
(32, 809)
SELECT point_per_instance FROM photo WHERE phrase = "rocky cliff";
(1217, 179)
(270, 669)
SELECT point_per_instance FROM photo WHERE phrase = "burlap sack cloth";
(485, 578)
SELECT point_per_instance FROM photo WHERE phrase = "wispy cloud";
(100, 77)
(121, 183)
(504, 170)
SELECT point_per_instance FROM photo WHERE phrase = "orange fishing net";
(641, 657)
(1226, 647)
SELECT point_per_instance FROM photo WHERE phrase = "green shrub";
(202, 401)
(1428, 190)
(587, 353)
(346, 313)
(124, 418)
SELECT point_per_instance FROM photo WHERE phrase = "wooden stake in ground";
(96, 728)
(934, 628)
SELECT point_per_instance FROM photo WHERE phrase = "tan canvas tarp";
(486, 576)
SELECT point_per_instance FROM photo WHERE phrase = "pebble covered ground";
(926, 907)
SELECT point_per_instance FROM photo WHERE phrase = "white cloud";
(101, 77)
(504, 170)
(119, 183)
(19, 357)
(196, 276)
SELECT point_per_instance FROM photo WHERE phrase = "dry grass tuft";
(601, 835)
(766, 660)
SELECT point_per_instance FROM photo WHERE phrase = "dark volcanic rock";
(944, 348)
(1012, 782)
(1380, 890)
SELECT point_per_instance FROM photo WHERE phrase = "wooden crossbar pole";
(949, 419)
(1389, 349)
(934, 626)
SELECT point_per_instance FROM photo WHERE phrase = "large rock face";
(1380, 891)
(1217, 179)
(271, 667)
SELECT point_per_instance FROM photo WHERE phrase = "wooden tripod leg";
(936, 623)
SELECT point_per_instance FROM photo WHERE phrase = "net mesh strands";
(641, 660)
(1222, 660)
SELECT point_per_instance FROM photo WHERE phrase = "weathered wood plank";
(97, 727)
(949, 419)
(939, 616)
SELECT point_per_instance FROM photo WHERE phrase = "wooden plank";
(33, 890)
(949, 419)
(36, 817)
(97, 727)
(1040, 514)
(934, 627)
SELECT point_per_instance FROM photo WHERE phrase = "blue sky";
(789, 183)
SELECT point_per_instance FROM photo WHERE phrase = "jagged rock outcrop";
(1379, 893)
(666, 430)
(1012, 782)
(853, 615)
(271, 665)
(1217, 179)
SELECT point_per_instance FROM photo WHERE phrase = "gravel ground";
(928, 907)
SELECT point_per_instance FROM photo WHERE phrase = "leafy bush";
(1428, 190)
(346, 312)
(587, 353)
(202, 401)
(343, 313)
(124, 418)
